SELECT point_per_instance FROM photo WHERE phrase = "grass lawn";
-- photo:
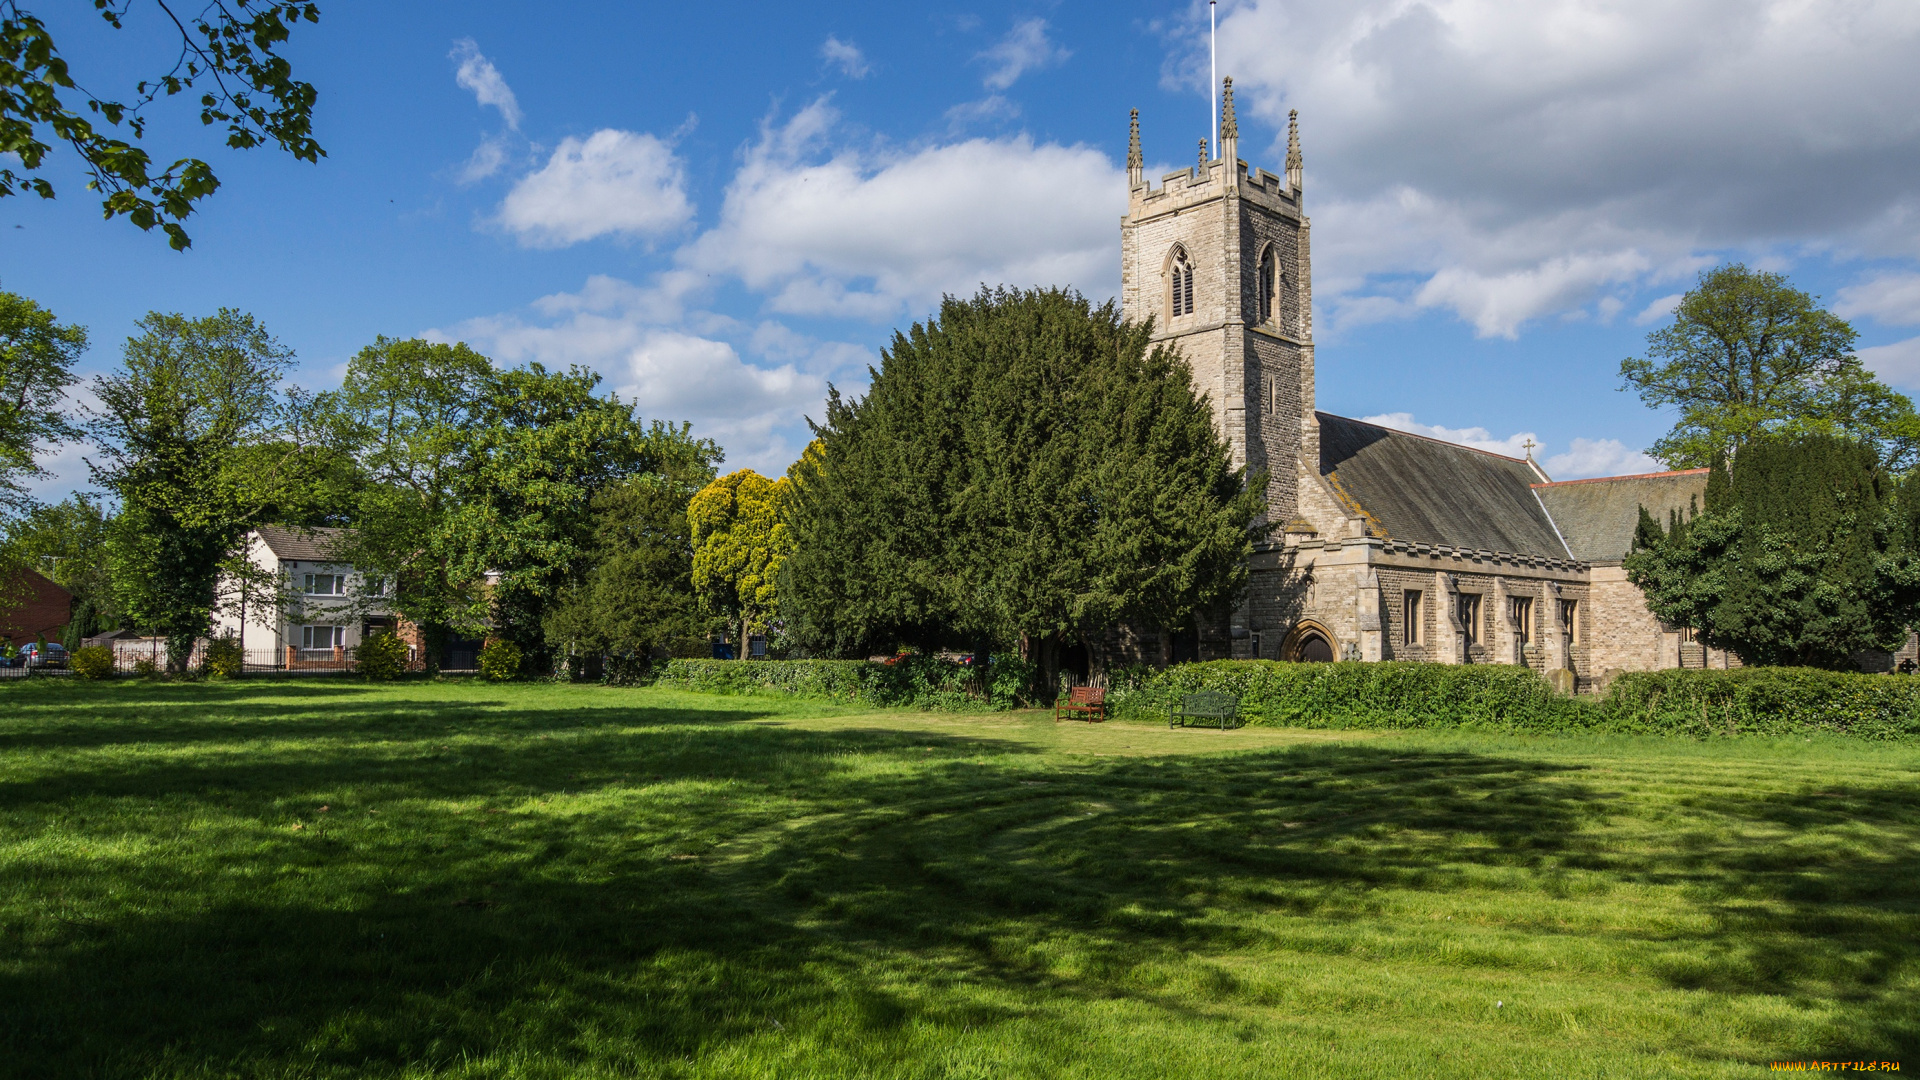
(325, 879)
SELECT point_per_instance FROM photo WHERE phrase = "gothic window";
(1181, 282)
(1268, 284)
(1570, 615)
(1520, 609)
(1470, 616)
(1413, 619)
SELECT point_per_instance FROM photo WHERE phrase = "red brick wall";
(31, 606)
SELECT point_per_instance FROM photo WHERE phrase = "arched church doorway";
(1310, 643)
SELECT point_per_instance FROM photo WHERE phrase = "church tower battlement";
(1218, 257)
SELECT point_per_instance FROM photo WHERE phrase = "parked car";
(56, 655)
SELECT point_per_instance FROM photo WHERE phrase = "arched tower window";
(1180, 284)
(1269, 284)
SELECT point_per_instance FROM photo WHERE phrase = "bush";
(1394, 694)
(500, 660)
(146, 667)
(1766, 701)
(381, 658)
(92, 661)
(224, 658)
(924, 682)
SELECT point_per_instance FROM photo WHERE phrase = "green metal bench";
(1208, 707)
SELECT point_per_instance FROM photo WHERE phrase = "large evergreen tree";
(1805, 553)
(1024, 465)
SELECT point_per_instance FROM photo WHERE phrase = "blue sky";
(724, 208)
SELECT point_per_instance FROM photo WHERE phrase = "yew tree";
(1024, 464)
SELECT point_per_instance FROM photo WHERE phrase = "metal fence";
(141, 655)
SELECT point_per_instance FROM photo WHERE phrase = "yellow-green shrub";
(92, 661)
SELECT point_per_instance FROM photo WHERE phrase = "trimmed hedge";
(1394, 694)
(1766, 701)
(910, 682)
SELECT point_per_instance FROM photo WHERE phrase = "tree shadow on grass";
(724, 878)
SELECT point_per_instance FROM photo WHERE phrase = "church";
(1384, 545)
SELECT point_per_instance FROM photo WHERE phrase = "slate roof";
(1427, 491)
(1598, 516)
(304, 545)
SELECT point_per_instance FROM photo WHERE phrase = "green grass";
(325, 879)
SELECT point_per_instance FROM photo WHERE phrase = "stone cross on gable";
(1529, 444)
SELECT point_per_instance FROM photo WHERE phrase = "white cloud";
(1583, 457)
(1599, 457)
(1533, 159)
(846, 56)
(487, 159)
(990, 108)
(1025, 48)
(1893, 299)
(1497, 304)
(1477, 437)
(477, 73)
(869, 234)
(1898, 364)
(1658, 309)
(610, 183)
(655, 344)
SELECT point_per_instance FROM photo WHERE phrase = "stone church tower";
(1218, 258)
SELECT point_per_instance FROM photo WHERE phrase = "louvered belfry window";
(1182, 285)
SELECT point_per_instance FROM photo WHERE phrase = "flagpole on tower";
(1213, 68)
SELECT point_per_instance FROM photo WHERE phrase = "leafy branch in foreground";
(229, 51)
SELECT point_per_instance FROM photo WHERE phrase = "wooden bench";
(1082, 703)
(1207, 707)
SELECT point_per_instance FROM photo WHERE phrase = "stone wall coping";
(1388, 546)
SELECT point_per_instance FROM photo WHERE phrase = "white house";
(303, 605)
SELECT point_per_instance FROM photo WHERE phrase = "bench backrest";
(1211, 702)
(1087, 695)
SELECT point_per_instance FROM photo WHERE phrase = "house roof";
(1424, 490)
(305, 545)
(1598, 516)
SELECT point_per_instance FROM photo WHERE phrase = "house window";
(326, 585)
(1411, 617)
(1470, 616)
(1182, 285)
(1570, 617)
(1269, 284)
(322, 637)
(1520, 611)
(376, 586)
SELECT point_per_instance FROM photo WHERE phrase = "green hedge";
(1766, 701)
(911, 682)
(1392, 695)
(1381, 695)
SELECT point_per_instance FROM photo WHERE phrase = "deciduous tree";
(229, 52)
(37, 354)
(637, 591)
(739, 544)
(546, 447)
(199, 445)
(1747, 354)
(409, 414)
